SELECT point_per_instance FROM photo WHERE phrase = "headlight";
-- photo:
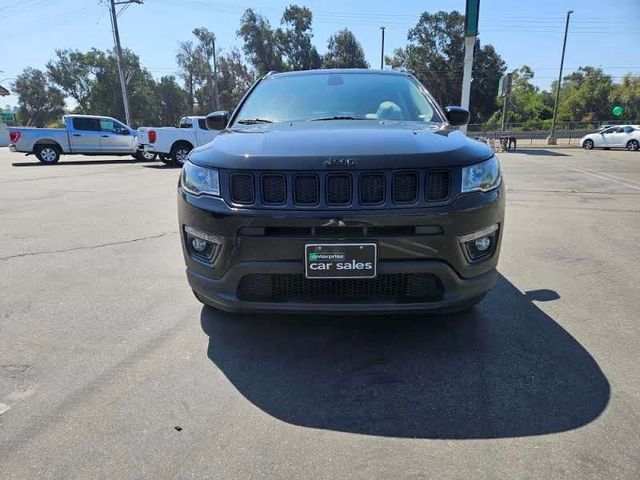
(481, 176)
(200, 180)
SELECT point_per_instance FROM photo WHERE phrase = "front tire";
(587, 144)
(180, 152)
(143, 156)
(633, 145)
(47, 154)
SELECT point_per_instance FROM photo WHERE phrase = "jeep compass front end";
(340, 191)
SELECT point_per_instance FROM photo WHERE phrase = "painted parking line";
(602, 176)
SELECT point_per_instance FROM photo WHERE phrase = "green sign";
(7, 117)
(618, 110)
(472, 13)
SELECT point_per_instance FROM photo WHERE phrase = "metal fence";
(568, 134)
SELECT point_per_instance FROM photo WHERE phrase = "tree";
(206, 51)
(190, 67)
(234, 79)
(71, 71)
(294, 41)
(585, 95)
(627, 95)
(435, 55)
(173, 100)
(260, 43)
(106, 96)
(344, 51)
(39, 103)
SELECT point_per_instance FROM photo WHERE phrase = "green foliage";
(260, 43)
(294, 41)
(39, 102)
(344, 51)
(435, 55)
(585, 95)
(627, 95)
(234, 79)
(173, 101)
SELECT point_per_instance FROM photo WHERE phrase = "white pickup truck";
(174, 144)
(82, 135)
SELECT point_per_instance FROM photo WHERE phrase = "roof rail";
(271, 73)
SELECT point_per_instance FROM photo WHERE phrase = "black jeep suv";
(340, 191)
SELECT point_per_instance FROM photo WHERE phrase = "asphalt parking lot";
(109, 368)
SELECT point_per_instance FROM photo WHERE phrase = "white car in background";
(174, 144)
(618, 136)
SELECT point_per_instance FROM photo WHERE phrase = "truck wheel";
(48, 154)
(143, 156)
(179, 153)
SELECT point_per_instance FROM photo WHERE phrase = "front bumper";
(437, 250)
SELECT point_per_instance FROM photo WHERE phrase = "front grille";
(405, 187)
(372, 188)
(306, 189)
(437, 185)
(274, 189)
(396, 287)
(242, 188)
(337, 190)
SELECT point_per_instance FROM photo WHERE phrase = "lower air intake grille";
(437, 185)
(242, 189)
(396, 287)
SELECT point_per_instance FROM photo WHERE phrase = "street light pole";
(382, 50)
(116, 39)
(551, 140)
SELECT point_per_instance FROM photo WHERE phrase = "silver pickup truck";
(82, 135)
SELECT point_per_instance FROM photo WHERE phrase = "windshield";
(337, 96)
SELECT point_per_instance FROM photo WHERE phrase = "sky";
(522, 31)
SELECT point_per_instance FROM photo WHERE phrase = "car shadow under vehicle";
(505, 369)
(540, 152)
(63, 162)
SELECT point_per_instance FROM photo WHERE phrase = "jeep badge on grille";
(340, 162)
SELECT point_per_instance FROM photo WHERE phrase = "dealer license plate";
(340, 260)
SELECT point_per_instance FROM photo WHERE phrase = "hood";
(366, 144)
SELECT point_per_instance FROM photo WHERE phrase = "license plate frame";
(356, 255)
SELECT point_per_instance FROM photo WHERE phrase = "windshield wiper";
(338, 117)
(253, 121)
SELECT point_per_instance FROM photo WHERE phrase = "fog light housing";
(201, 245)
(480, 244)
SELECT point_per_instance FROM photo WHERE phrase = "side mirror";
(217, 120)
(457, 116)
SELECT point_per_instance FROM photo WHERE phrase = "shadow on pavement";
(78, 162)
(539, 152)
(506, 369)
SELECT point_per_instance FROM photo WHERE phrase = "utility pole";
(472, 12)
(116, 39)
(551, 139)
(382, 50)
(505, 104)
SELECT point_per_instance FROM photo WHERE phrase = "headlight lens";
(200, 180)
(482, 176)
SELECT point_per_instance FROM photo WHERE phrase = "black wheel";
(633, 145)
(179, 153)
(47, 154)
(165, 159)
(143, 156)
(587, 144)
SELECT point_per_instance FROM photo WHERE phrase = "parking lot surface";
(109, 368)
